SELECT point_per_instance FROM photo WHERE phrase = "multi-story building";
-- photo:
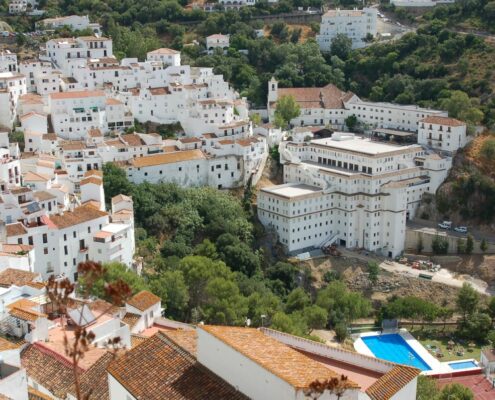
(74, 22)
(420, 3)
(330, 106)
(12, 86)
(217, 41)
(74, 114)
(166, 56)
(8, 61)
(355, 24)
(349, 190)
(442, 133)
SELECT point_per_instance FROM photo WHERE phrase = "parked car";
(460, 229)
(445, 224)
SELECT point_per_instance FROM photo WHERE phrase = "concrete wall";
(427, 237)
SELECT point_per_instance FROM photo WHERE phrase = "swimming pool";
(463, 365)
(392, 347)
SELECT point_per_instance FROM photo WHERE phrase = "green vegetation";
(287, 109)
(439, 245)
(201, 256)
(428, 389)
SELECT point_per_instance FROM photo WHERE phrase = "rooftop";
(434, 119)
(77, 94)
(292, 190)
(18, 277)
(360, 145)
(170, 372)
(143, 300)
(167, 158)
(78, 216)
(328, 97)
(281, 360)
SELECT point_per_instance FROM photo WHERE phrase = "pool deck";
(436, 366)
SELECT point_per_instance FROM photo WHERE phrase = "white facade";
(420, 3)
(355, 24)
(8, 61)
(217, 41)
(166, 56)
(74, 22)
(113, 243)
(442, 133)
(350, 190)
(12, 86)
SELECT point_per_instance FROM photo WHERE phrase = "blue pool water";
(462, 365)
(393, 347)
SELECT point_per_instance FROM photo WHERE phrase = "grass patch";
(437, 339)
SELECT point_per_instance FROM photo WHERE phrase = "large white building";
(330, 106)
(355, 24)
(420, 3)
(349, 190)
(74, 22)
(442, 133)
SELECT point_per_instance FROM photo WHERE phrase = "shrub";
(341, 332)
(440, 245)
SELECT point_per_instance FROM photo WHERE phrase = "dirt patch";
(353, 273)
(478, 266)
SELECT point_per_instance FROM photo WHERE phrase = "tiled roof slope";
(329, 96)
(95, 380)
(18, 277)
(281, 360)
(143, 300)
(392, 382)
(170, 372)
(48, 369)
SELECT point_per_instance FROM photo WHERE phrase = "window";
(66, 251)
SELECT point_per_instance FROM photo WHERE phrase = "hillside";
(470, 188)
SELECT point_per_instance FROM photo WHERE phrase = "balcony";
(83, 250)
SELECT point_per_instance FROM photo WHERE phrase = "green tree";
(341, 46)
(491, 338)
(476, 326)
(467, 300)
(113, 272)
(171, 287)
(469, 244)
(341, 332)
(351, 122)
(224, 304)
(491, 308)
(427, 388)
(456, 391)
(488, 149)
(483, 245)
(439, 245)
(297, 300)
(115, 182)
(287, 109)
(373, 271)
(316, 317)
(461, 246)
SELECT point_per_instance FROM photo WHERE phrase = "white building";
(12, 86)
(236, 4)
(254, 364)
(420, 3)
(442, 133)
(74, 114)
(355, 24)
(330, 106)
(8, 61)
(74, 22)
(217, 41)
(349, 190)
(166, 56)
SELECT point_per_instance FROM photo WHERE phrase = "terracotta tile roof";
(121, 197)
(49, 136)
(31, 98)
(22, 303)
(143, 300)
(32, 114)
(92, 179)
(164, 50)
(432, 119)
(93, 38)
(73, 145)
(130, 319)
(35, 177)
(18, 277)
(19, 190)
(167, 158)
(7, 345)
(77, 94)
(187, 339)
(170, 372)
(274, 356)
(94, 381)
(328, 97)
(393, 381)
(159, 91)
(93, 172)
(48, 369)
(190, 140)
(34, 394)
(43, 196)
(78, 216)
(113, 102)
(95, 133)
(37, 285)
(26, 315)
(136, 340)
(133, 140)
(16, 248)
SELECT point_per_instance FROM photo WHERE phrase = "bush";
(341, 332)
(440, 245)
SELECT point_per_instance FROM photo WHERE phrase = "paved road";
(433, 225)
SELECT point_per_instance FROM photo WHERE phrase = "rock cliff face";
(468, 195)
